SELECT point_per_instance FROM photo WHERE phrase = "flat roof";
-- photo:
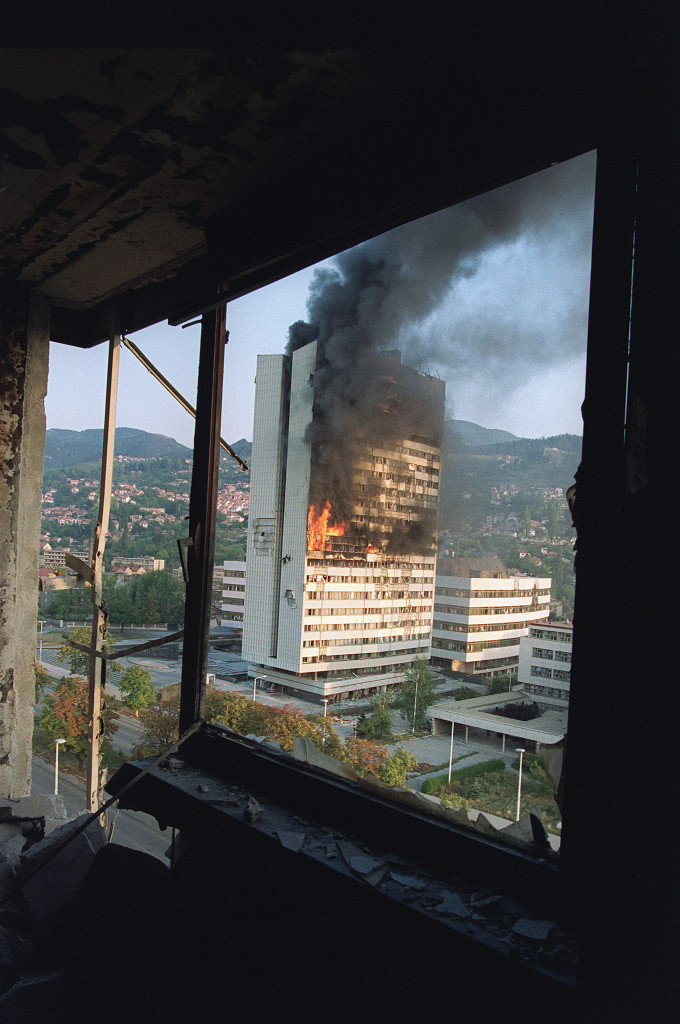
(549, 727)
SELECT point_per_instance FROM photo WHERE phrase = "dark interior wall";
(24, 325)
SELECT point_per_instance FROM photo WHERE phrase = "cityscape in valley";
(428, 593)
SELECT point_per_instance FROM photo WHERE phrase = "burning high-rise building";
(343, 521)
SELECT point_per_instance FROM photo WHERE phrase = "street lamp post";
(415, 704)
(40, 654)
(57, 744)
(451, 752)
(256, 680)
(520, 751)
(325, 705)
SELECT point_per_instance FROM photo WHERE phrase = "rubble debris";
(12, 842)
(530, 929)
(292, 840)
(50, 888)
(253, 810)
(364, 865)
(202, 788)
(408, 880)
(452, 904)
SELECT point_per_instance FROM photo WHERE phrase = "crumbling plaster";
(24, 355)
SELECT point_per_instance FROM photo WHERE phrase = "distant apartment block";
(545, 661)
(55, 558)
(481, 613)
(233, 592)
(340, 585)
(145, 562)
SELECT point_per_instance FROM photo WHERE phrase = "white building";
(338, 608)
(233, 592)
(545, 662)
(481, 613)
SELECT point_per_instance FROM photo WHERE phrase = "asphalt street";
(131, 828)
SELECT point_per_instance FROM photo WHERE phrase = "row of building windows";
(546, 691)
(551, 634)
(463, 648)
(361, 595)
(505, 593)
(385, 564)
(471, 612)
(389, 621)
(487, 627)
(315, 660)
(550, 673)
(360, 641)
(345, 612)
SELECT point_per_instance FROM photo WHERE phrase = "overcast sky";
(491, 295)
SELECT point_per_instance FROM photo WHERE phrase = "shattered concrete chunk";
(330, 850)
(12, 842)
(173, 763)
(34, 807)
(364, 865)
(483, 825)
(291, 839)
(253, 810)
(408, 880)
(202, 788)
(60, 879)
(529, 929)
(452, 904)
(521, 830)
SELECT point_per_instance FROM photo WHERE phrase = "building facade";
(233, 592)
(545, 661)
(340, 590)
(481, 613)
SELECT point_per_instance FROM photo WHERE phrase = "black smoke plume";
(396, 290)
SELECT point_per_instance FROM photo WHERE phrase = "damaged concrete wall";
(24, 354)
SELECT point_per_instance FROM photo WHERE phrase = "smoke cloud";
(492, 289)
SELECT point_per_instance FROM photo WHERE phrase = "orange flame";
(371, 550)
(318, 529)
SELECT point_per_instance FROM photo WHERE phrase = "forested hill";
(512, 475)
(68, 448)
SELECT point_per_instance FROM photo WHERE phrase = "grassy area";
(445, 764)
(472, 771)
(494, 790)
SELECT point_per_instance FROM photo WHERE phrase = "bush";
(378, 724)
(465, 693)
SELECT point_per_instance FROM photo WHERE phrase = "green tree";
(79, 661)
(42, 680)
(396, 768)
(378, 724)
(65, 714)
(465, 693)
(161, 729)
(150, 612)
(416, 693)
(501, 684)
(138, 691)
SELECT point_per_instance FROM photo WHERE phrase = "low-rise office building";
(545, 661)
(481, 613)
(233, 592)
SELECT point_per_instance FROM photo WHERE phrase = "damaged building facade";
(341, 540)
